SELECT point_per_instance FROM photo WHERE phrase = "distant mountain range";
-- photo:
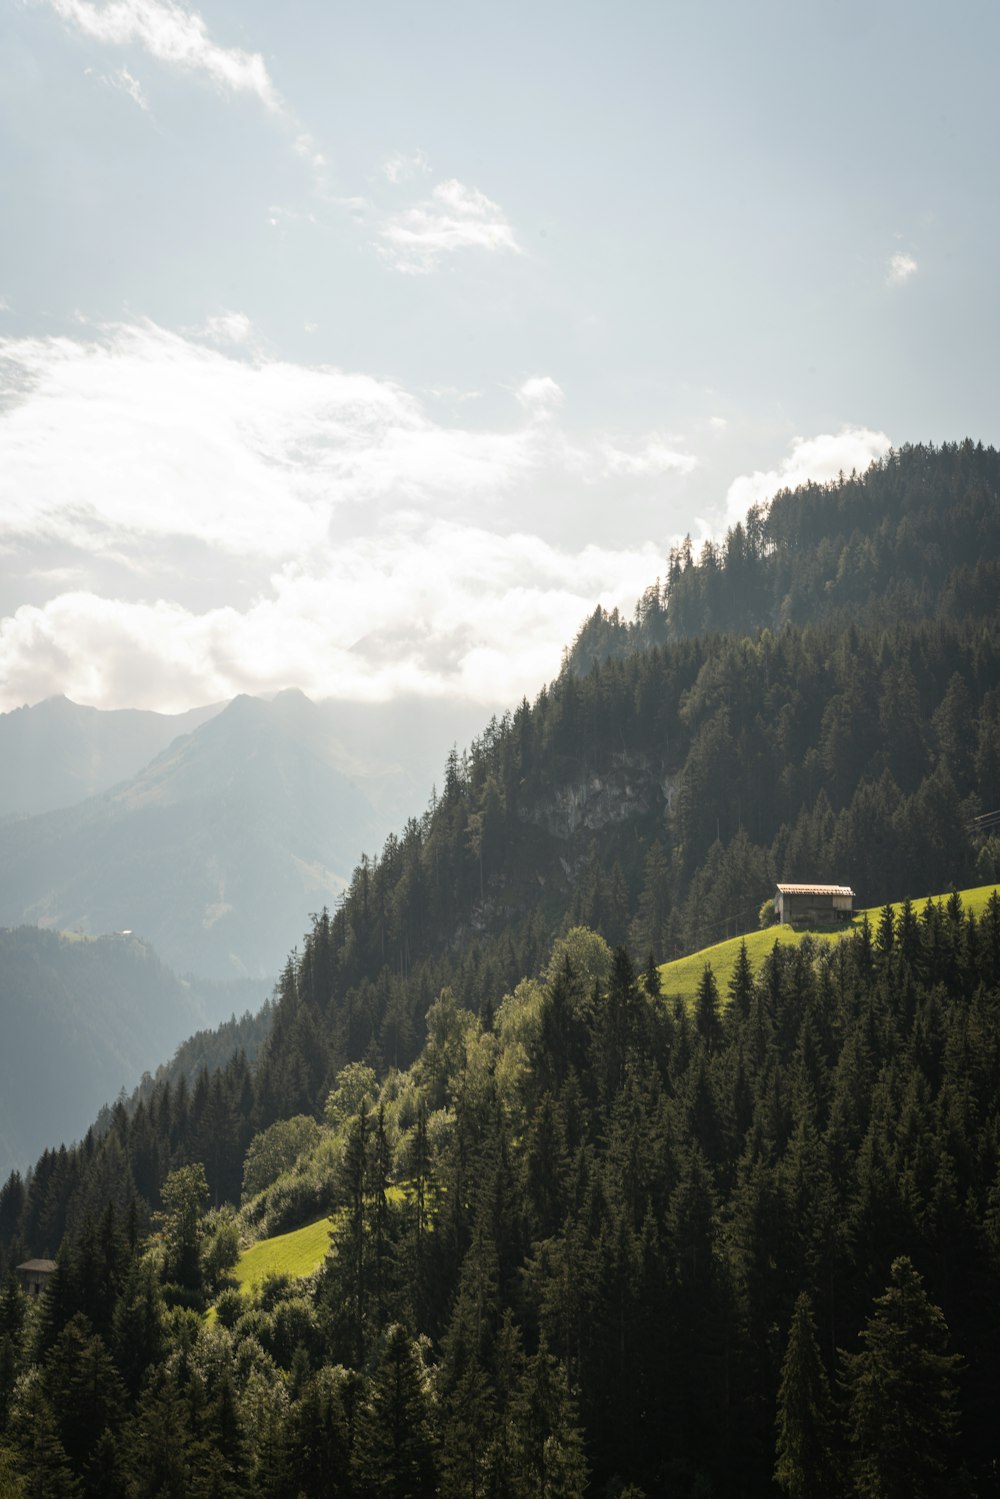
(193, 844)
(57, 752)
(81, 1018)
(215, 852)
(212, 834)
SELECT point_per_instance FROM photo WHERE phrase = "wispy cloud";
(818, 459)
(901, 268)
(454, 217)
(401, 168)
(123, 80)
(303, 145)
(657, 455)
(229, 328)
(350, 539)
(176, 36)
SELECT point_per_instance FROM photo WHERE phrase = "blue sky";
(364, 349)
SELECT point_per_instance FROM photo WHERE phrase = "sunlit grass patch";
(296, 1254)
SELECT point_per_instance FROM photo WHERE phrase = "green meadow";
(296, 1254)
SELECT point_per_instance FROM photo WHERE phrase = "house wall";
(33, 1282)
(815, 910)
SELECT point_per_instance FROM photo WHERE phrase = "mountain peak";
(292, 695)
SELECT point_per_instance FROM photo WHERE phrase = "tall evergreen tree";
(902, 1396)
(394, 1456)
(804, 1461)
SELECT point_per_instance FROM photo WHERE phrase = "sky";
(365, 349)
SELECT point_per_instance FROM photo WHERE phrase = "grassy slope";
(680, 978)
(296, 1254)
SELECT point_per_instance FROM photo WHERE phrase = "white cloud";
(817, 459)
(400, 168)
(175, 36)
(229, 327)
(540, 394)
(656, 456)
(901, 268)
(454, 217)
(142, 434)
(347, 540)
(453, 394)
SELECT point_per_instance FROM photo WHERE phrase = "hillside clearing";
(297, 1254)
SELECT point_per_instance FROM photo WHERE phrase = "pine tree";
(804, 1466)
(319, 1438)
(547, 1457)
(707, 1018)
(184, 1195)
(467, 1437)
(137, 1327)
(394, 1457)
(902, 1394)
(164, 1450)
(84, 1390)
(740, 988)
(41, 1458)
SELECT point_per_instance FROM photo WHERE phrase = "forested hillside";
(587, 1241)
(915, 537)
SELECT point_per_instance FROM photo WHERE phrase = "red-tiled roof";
(815, 889)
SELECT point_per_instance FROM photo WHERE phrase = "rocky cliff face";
(634, 787)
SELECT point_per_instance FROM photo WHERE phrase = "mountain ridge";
(59, 752)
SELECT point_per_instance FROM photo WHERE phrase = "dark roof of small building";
(815, 889)
(38, 1265)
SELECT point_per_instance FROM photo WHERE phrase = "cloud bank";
(353, 543)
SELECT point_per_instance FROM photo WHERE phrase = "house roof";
(815, 889)
(41, 1265)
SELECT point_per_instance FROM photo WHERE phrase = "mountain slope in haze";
(58, 752)
(81, 1019)
(216, 852)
